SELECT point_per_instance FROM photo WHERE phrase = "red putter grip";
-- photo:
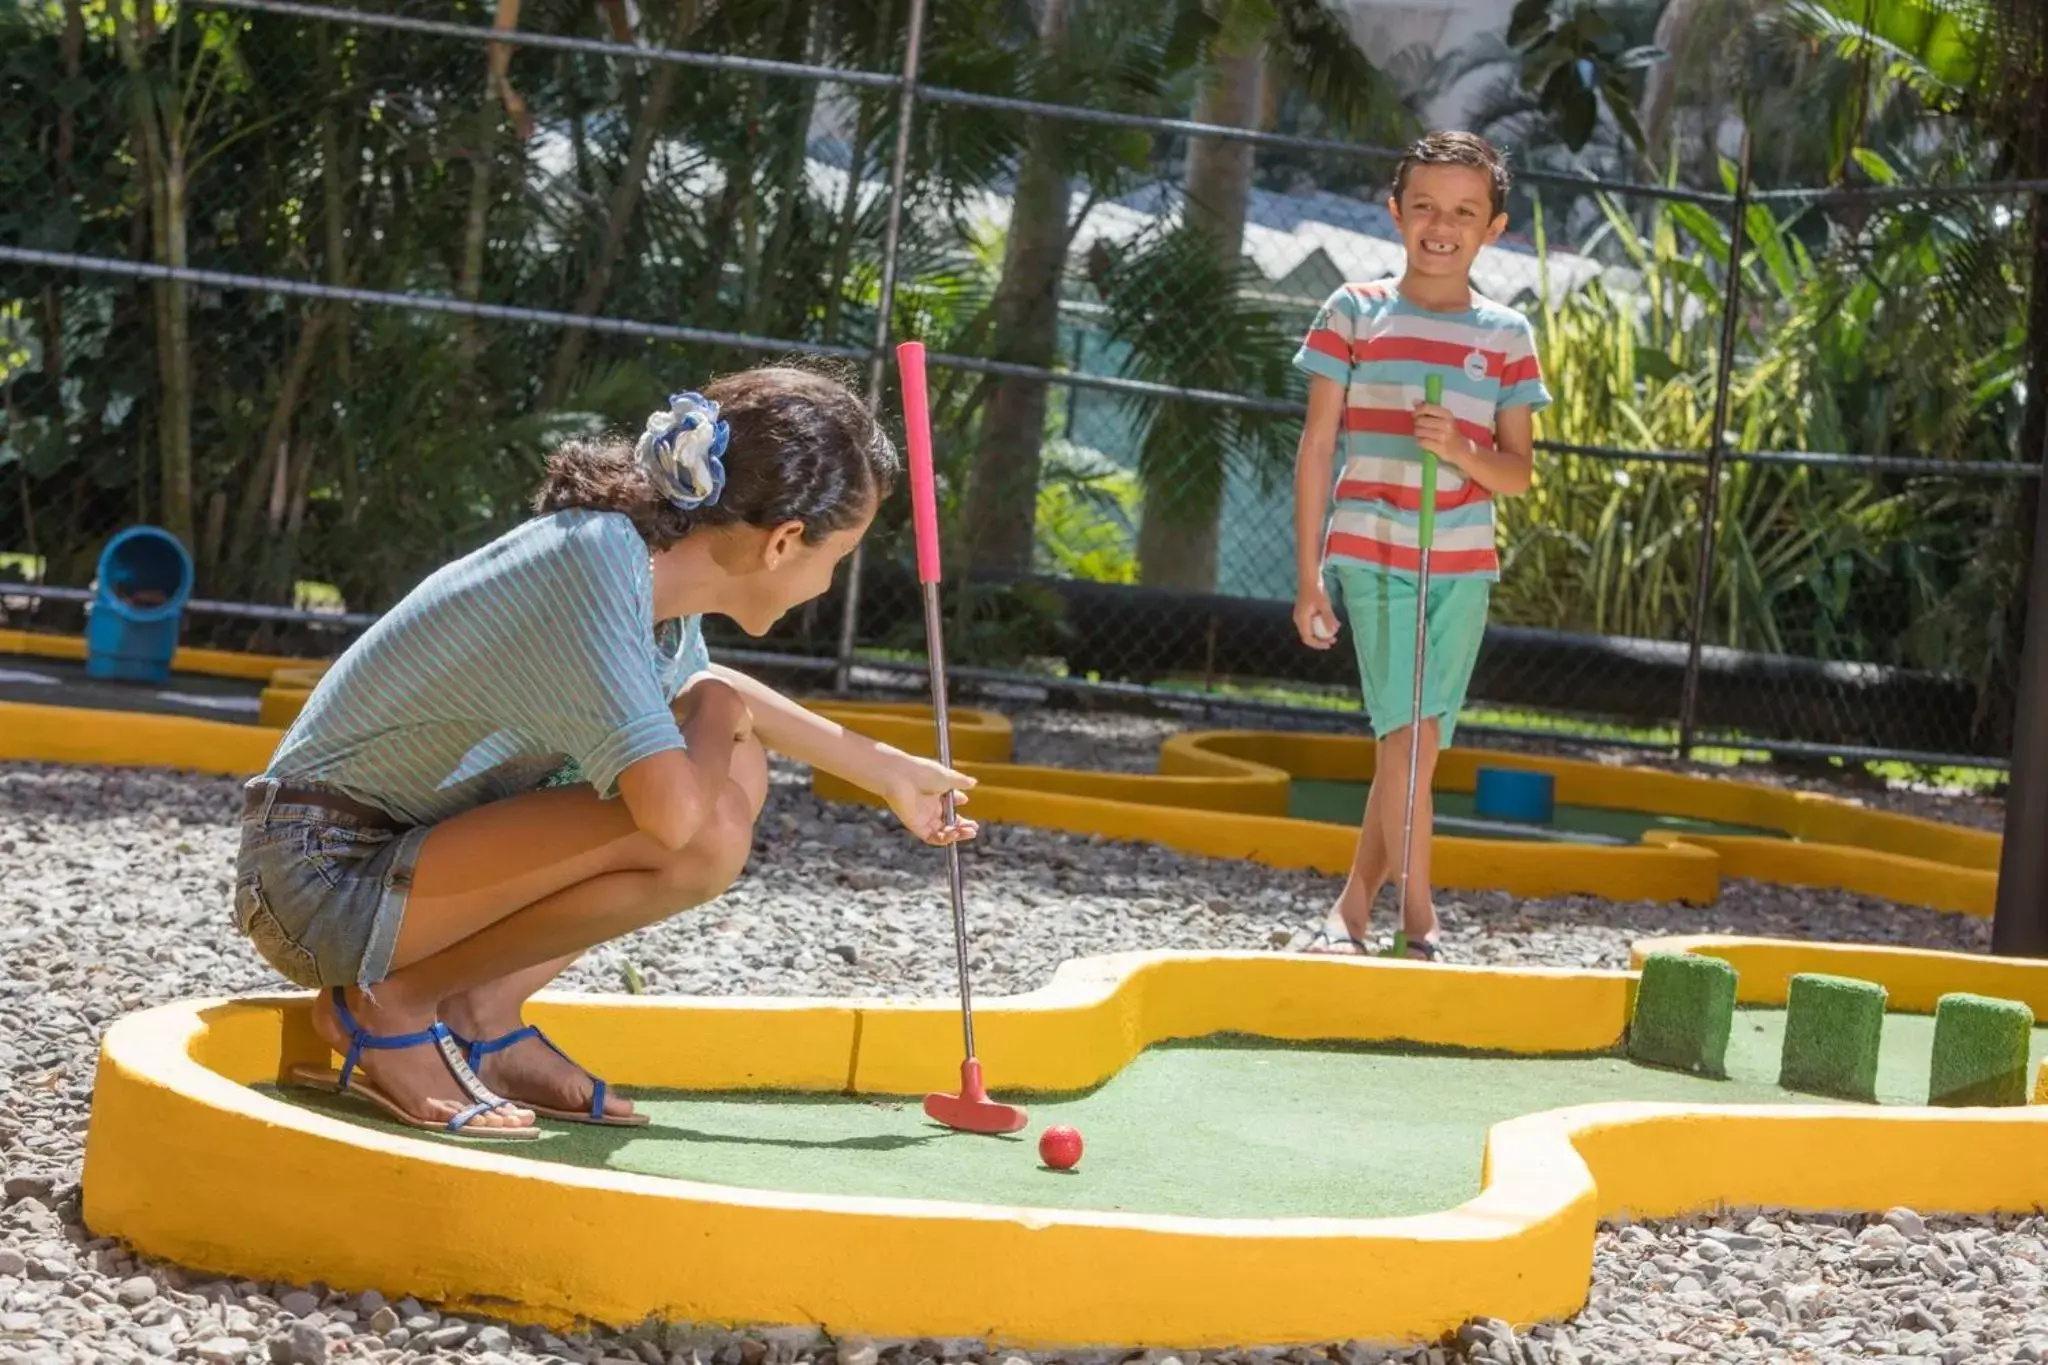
(917, 433)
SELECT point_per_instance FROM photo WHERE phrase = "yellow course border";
(185, 1160)
(1224, 794)
(1914, 979)
(216, 663)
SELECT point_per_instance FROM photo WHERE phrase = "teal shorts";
(1379, 607)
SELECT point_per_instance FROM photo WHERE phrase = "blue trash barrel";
(145, 579)
(1517, 794)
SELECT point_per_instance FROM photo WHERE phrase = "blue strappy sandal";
(476, 1050)
(348, 1082)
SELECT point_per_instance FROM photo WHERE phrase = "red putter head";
(972, 1111)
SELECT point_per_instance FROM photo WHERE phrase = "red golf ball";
(1060, 1147)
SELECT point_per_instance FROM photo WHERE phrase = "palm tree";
(1098, 55)
(1248, 54)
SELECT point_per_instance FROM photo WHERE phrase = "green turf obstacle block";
(1832, 1027)
(1980, 1051)
(1685, 1007)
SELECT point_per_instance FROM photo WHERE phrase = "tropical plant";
(1862, 347)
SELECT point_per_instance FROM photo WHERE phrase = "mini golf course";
(1217, 1131)
(1458, 812)
(1282, 799)
(1442, 1140)
(36, 678)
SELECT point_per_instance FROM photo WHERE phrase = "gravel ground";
(114, 895)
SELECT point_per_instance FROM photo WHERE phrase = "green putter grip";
(1433, 392)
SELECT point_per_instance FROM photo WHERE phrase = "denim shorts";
(319, 892)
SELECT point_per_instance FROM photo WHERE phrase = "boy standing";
(1369, 355)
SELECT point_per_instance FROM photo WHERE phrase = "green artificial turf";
(1237, 1130)
(1980, 1051)
(1832, 1028)
(1684, 1004)
(1343, 803)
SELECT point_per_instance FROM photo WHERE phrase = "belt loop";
(270, 791)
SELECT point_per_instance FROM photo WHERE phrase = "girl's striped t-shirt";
(1382, 348)
(533, 653)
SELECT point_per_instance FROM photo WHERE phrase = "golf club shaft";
(936, 649)
(1433, 393)
(1414, 732)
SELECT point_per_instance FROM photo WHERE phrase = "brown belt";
(254, 800)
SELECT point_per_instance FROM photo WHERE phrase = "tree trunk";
(619, 215)
(849, 217)
(160, 157)
(1179, 539)
(476, 224)
(73, 46)
(1002, 489)
(751, 205)
(245, 536)
(334, 216)
(856, 163)
(174, 341)
(789, 192)
(1661, 81)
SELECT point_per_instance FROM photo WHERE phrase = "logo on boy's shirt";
(1475, 365)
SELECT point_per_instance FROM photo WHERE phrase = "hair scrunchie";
(683, 450)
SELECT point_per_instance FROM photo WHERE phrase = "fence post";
(2019, 923)
(878, 360)
(1717, 452)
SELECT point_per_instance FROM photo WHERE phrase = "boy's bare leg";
(1418, 915)
(1370, 864)
(521, 884)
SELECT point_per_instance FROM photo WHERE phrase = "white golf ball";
(1322, 631)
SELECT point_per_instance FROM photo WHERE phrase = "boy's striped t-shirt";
(537, 650)
(1382, 348)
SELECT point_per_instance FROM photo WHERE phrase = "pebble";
(447, 1334)
(1907, 1223)
(135, 1291)
(301, 1344)
(112, 888)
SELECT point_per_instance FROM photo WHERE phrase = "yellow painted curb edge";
(1914, 979)
(213, 663)
(185, 1161)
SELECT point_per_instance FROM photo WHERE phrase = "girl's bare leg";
(521, 884)
(530, 1070)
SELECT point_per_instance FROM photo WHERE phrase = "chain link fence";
(318, 287)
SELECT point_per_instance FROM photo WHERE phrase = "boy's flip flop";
(347, 1082)
(479, 1049)
(1415, 949)
(1324, 936)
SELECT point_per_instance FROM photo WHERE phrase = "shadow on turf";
(582, 1144)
